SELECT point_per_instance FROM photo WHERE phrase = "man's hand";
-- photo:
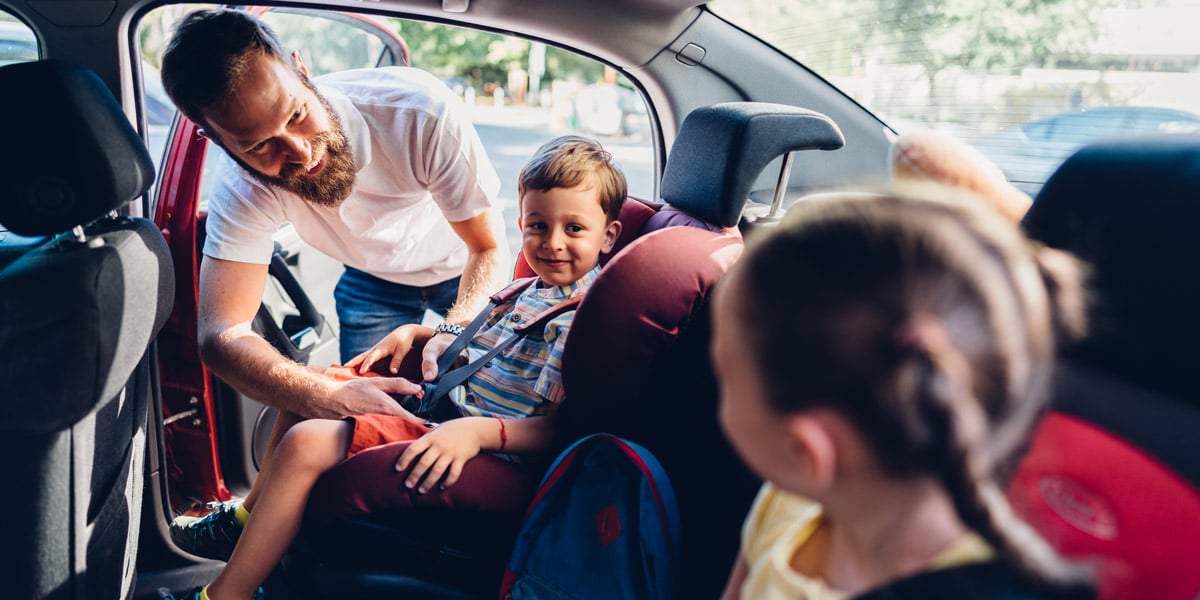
(433, 350)
(396, 344)
(371, 395)
(442, 451)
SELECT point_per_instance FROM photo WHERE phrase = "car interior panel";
(114, 426)
(766, 75)
(77, 315)
(1112, 477)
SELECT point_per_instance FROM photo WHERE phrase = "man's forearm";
(482, 277)
(253, 367)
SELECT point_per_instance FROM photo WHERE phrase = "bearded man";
(380, 169)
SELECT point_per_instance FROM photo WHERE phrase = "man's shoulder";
(388, 85)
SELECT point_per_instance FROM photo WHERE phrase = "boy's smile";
(563, 232)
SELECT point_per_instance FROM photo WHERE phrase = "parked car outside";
(1029, 153)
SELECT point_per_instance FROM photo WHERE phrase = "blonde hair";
(570, 160)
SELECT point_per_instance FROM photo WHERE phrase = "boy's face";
(563, 232)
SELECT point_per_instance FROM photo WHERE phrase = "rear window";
(1026, 82)
(18, 43)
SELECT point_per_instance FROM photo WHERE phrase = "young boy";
(570, 196)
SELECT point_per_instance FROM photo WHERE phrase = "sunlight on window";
(999, 74)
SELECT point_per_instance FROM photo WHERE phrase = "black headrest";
(1129, 208)
(721, 149)
(71, 155)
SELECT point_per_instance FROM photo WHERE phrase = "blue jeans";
(369, 308)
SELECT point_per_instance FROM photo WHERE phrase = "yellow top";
(780, 523)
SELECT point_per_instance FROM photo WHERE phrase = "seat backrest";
(1113, 477)
(636, 363)
(77, 313)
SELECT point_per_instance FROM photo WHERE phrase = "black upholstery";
(1112, 477)
(77, 314)
(1129, 209)
(77, 162)
(721, 150)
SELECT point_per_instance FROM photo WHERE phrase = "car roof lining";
(647, 27)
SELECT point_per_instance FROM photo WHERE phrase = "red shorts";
(377, 430)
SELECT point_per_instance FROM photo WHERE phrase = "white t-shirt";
(420, 163)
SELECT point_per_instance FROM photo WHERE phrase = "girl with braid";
(882, 360)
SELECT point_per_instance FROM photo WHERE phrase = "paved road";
(511, 135)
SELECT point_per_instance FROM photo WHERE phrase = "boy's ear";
(611, 233)
(814, 446)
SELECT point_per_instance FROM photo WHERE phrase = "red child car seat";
(1112, 475)
(635, 365)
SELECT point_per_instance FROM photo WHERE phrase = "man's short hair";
(570, 160)
(209, 52)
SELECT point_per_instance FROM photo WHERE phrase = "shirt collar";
(355, 127)
(575, 288)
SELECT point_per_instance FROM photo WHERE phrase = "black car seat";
(1113, 475)
(77, 313)
(636, 364)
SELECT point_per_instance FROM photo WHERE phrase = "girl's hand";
(442, 451)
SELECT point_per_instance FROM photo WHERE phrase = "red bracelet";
(503, 434)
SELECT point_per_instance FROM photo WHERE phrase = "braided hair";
(932, 325)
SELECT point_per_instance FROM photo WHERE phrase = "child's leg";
(308, 450)
(283, 423)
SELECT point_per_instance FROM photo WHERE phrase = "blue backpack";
(603, 524)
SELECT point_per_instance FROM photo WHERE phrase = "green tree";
(981, 36)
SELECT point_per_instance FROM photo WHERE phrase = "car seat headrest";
(1128, 208)
(72, 154)
(631, 317)
(721, 150)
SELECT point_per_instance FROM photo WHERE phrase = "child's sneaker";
(194, 594)
(211, 536)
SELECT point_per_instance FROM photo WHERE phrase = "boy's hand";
(396, 344)
(442, 451)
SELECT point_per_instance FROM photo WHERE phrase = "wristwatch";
(445, 327)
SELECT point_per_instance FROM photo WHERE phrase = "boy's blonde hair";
(571, 160)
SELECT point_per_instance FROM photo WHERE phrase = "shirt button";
(516, 318)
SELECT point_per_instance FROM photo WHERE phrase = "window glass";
(17, 41)
(521, 93)
(982, 69)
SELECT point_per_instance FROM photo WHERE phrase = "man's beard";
(333, 184)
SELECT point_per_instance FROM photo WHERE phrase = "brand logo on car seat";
(1079, 506)
(608, 524)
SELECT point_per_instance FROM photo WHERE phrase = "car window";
(18, 43)
(521, 93)
(996, 73)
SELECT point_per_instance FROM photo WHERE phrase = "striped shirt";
(526, 378)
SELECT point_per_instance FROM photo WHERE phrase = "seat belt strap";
(448, 380)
